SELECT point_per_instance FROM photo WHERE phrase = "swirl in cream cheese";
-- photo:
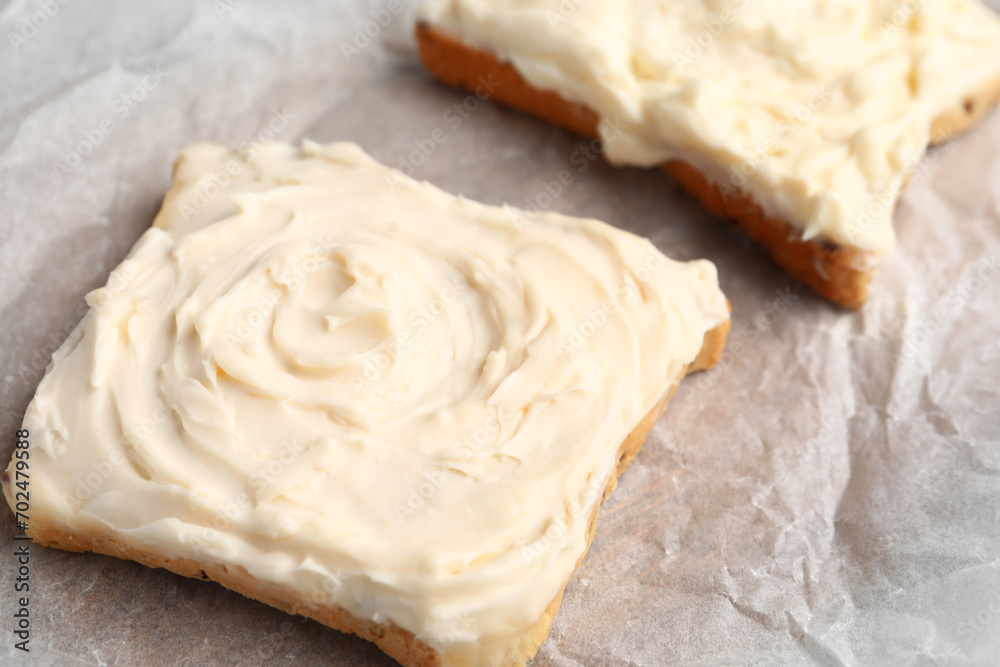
(819, 109)
(362, 388)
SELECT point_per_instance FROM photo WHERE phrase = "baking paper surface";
(830, 494)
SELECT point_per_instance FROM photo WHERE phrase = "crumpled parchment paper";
(830, 494)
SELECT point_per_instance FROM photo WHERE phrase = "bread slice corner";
(839, 273)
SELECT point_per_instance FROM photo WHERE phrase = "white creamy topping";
(363, 388)
(820, 109)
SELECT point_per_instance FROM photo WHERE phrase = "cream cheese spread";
(820, 109)
(361, 388)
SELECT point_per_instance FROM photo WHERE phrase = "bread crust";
(839, 273)
(970, 109)
(398, 643)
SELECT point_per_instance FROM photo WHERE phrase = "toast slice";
(357, 398)
(828, 235)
